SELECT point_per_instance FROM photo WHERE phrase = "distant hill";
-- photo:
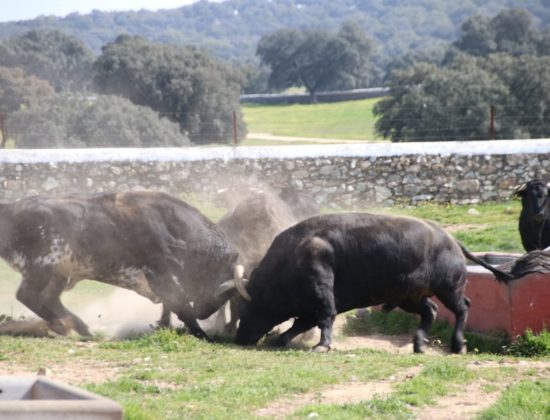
(231, 29)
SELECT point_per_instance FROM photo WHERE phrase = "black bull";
(333, 263)
(148, 242)
(534, 223)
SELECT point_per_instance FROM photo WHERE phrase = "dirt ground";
(471, 399)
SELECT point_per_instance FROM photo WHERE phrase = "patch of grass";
(341, 120)
(166, 372)
(370, 322)
(499, 238)
(525, 400)
(492, 227)
(400, 322)
(251, 141)
(529, 344)
(437, 379)
(168, 375)
(379, 408)
(206, 207)
(495, 342)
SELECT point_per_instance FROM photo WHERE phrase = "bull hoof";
(276, 342)
(419, 349)
(202, 336)
(83, 330)
(58, 327)
(419, 342)
(321, 348)
(459, 350)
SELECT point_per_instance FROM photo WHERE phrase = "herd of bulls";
(273, 256)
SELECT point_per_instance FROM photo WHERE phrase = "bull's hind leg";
(164, 321)
(41, 295)
(458, 304)
(427, 310)
(325, 311)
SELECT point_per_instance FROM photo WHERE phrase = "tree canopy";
(231, 29)
(512, 31)
(488, 66)
(71, 121)
(317, 59)
(62, 60)
(18, 90)
(181, 83)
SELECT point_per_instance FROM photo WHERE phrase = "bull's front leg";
(174, 299)
(41, 294)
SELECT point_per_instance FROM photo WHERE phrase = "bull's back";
(122, 228)
(374, 258)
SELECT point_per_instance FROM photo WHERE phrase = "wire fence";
(409, 124)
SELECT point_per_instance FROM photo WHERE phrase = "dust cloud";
(121, 314)
(124, 314)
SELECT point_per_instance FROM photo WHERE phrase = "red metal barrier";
(512, 308)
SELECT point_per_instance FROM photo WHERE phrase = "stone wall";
(349, 176)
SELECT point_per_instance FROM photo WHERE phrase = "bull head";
(519, 189)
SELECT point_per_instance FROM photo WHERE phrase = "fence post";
(234, 128)
(492, 131)
(3, 131)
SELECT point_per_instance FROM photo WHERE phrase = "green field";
(351, 120)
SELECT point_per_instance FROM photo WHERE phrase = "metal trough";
(512, 308)
(37, 398)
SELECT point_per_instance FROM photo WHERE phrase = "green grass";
(351, 120)
(530, 344)
(378, 408)
(525, 400)
(493, 228)
(169, 375)
(398, 322)
(166, 375)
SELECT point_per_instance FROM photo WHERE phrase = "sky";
(30, 9)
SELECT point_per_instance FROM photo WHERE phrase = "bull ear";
(520, 189)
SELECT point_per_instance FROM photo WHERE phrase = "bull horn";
(238, 272)
(224, 287)
(520, 188)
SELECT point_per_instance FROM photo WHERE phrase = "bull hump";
(317, 245)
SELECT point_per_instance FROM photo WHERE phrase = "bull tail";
(501, 276)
